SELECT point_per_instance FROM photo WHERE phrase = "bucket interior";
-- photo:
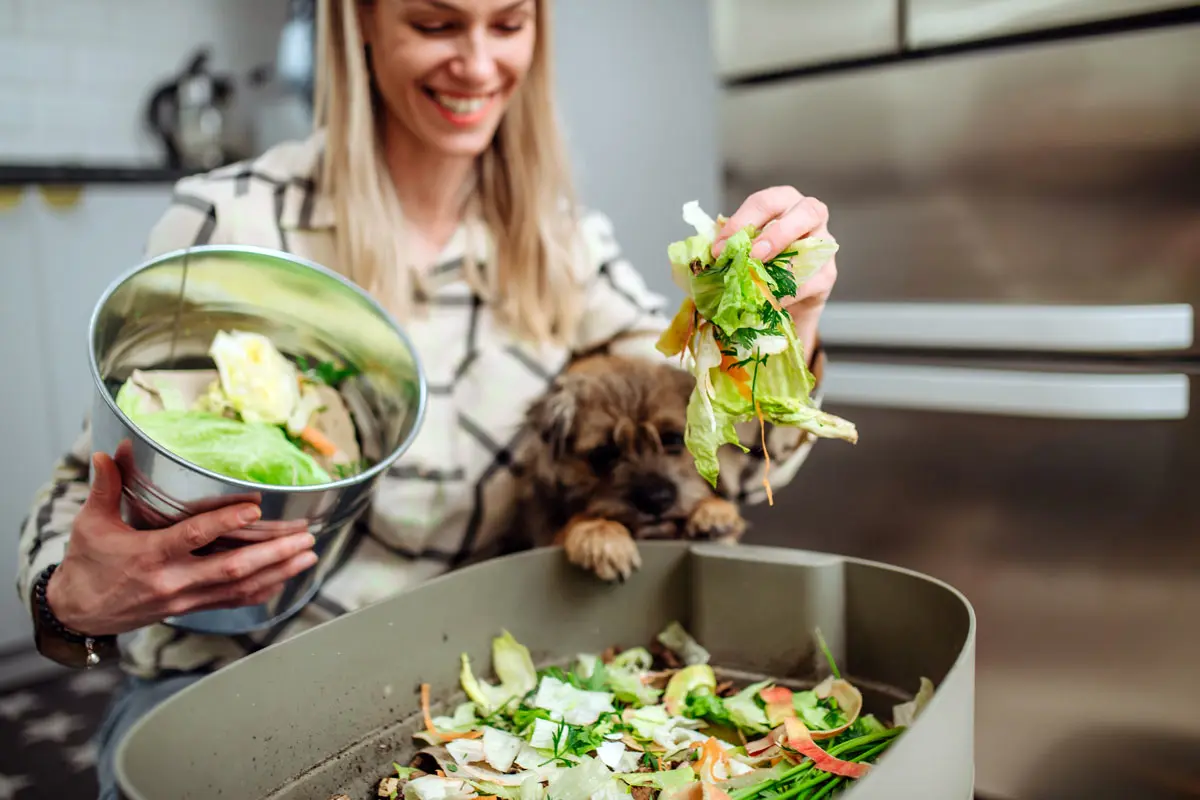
(328, 712)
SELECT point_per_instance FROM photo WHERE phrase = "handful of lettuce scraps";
(739, 341)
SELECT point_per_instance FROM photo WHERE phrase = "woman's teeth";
(460, 105)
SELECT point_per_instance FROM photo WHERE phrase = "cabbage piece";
(745, 354)
(905, 714)
(576, 706)
(580, 782)
(513, 666)
(636, 659)
(261, 384)
(676, 638)
(500, 748)
(745, 712)
(663, 779)
(253, 452)
(463, 719)
(435, 787)
(624, 675)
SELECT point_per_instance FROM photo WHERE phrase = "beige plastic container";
(327, 712)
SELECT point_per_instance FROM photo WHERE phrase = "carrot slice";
(319, 441)
(713, 764)
(429, 726)
(767, 293)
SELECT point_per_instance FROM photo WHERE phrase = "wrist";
(61, 603)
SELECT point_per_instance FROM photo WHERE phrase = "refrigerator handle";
(1059, 395)
(989, 326)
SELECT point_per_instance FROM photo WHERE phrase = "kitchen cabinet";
(751, 36)
(57, 261)
(940, 22)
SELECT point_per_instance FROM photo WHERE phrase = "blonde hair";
(522, 193)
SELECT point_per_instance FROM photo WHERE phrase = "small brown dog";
(604, 464)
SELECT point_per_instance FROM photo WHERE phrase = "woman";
(437, 181)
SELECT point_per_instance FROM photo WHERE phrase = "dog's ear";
(552, 417)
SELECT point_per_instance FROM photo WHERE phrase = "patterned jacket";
(446, 498)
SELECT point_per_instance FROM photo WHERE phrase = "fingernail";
(307, 559)
(309, 541)
(248, 515)
(760, 249)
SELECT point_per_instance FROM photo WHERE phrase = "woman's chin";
(463, 144)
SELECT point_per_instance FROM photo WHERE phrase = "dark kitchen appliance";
(187, 114)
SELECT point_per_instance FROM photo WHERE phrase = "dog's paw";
(716, 519)
(603, 547)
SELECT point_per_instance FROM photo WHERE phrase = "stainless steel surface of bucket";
(306, 311)
(327, 712)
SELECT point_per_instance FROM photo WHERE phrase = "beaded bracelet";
(42, 609)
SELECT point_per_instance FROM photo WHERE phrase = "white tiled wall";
(75, 75)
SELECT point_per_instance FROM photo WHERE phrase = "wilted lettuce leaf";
(254, 452)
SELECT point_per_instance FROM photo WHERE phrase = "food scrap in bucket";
(257, 416)
(635, 724)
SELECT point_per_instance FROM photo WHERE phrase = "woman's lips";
(462, 110)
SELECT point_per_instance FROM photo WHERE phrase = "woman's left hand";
(782, 215)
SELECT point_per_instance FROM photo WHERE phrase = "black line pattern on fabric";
(74, 462)
(308, 201)
(42, 534)
(424, 554)
(413, 473)
(606, 272)
(529, 364)
(472, 346)
(209, 225)
(280, 195)
(453, 300)
(503, 459)
(447, 267)
(480, 435)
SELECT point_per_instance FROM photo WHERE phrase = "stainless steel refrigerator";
(1016, 188)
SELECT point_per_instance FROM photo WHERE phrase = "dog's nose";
(653, 494)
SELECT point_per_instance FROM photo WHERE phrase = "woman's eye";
(509, 28)
(604, 457)
(433, 28)
(672, 441)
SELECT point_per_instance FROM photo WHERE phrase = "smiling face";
(447, 69)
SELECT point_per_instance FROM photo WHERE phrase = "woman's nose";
(477, 63)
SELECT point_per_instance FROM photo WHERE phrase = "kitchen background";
(1015, 184)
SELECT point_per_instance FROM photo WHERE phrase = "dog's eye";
(672, 441)
(604, 457)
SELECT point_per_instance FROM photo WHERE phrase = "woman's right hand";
(116, 579)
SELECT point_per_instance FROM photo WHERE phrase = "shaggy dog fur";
(604, 465)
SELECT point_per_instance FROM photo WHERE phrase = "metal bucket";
(327, 712)
(306, 310)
